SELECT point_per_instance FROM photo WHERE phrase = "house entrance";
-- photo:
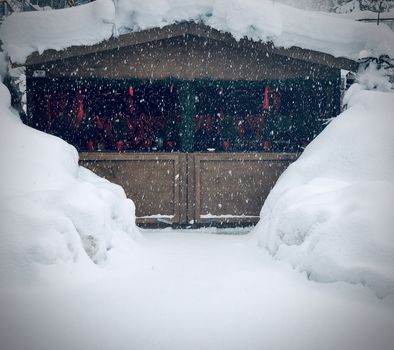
(203, 152)
(193, 188)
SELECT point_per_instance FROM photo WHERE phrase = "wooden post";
(186, 100)
(379, 10)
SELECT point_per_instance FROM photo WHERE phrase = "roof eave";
(193, 29)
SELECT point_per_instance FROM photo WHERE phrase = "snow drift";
(330, 213)
(260, 20)
(51, 210)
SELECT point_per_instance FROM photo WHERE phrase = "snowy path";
(198, 290)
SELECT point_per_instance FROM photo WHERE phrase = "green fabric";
(186, 100)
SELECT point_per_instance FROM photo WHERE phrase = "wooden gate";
(192, 188)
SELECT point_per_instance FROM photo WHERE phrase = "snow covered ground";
(196, 289)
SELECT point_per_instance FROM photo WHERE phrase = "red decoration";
(130, 105)
(226, 145)
(119, 146)
(266, 145)
(90, 146)
(80, 108)
(204, 122)
(131, 91)
(267, 92)
(275, 99)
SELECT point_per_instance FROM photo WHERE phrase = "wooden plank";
(191, 203)
(194, 188)
(231, 188)
(197, 188)
(183, 188)
(154, 181)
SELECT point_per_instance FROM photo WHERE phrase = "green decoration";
(186, 100)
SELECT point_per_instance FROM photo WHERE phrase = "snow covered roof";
(184, 30)
(259, 20)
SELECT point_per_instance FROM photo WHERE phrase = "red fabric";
(276, 100)
(267, 92)
(204, 122)
(80, 112)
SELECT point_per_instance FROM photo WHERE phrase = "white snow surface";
(54, 214)
(260, 20)
(26, 32)
(330, 213)
(196, 289)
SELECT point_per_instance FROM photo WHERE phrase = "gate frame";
(186, 183)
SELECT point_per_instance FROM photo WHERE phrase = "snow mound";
(51, 210)
(260, 20)
(26, 32)
(330, 213)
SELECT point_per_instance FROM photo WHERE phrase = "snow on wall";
(330, 213)
(263, 20)
(51, 210)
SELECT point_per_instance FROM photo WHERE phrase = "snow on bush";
(260, 20)
(330, 213)
(51, 210)
(372, 77)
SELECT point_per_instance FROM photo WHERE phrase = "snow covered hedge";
(52, 211)
(330, 213)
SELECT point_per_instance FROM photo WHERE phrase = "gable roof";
(190, 29)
